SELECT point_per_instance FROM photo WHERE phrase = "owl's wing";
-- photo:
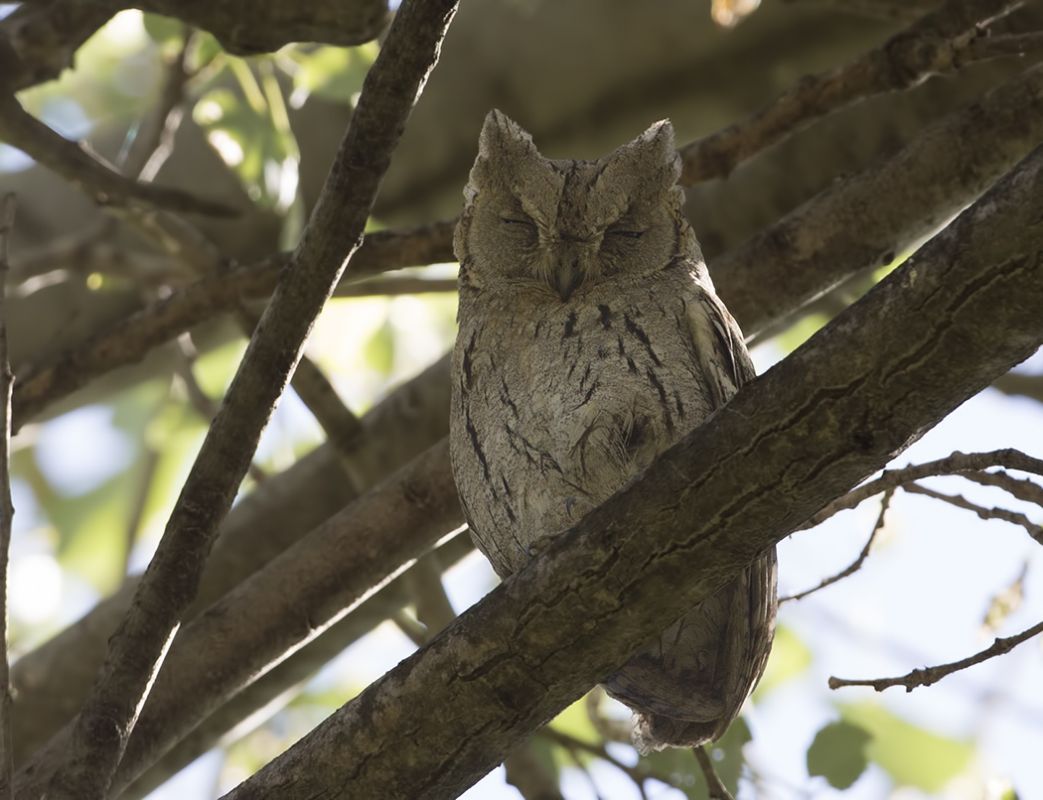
(737, 624)
(718, 345)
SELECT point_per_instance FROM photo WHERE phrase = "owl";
(590, 340)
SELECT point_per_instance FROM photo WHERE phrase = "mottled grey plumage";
(591, 340)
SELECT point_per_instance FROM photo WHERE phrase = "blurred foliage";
(789, 659)
(911, 755)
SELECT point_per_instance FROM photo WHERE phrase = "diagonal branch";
(85, 171)
(941, 41)
(914, 348)
(929, 675)
(865, 220)
(332, 235)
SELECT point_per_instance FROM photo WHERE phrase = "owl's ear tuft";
(655, 151)
(502, 136)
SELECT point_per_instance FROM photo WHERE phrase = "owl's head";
(565, 226)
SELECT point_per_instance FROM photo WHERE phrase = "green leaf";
(789, 658)
(838, 753)
(911, 755)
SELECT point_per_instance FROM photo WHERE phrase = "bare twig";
(88, 172)
(955, 464)
(146, 474)
(7, 209)
(855, 565)
(929, 675)
(1004, 514)
(1020, 488)
(936, 43)
(714, 785)
(1012, 44)
(331, 237)
(154, 141)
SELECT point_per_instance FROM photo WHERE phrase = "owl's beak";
(566, 280)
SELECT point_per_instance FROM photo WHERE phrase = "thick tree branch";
(332, 235)
(7, 209)
(283, 606)
(933, 333)
(866, 220)
(929, 675)
(46, 34)
(277, 684)
(941, 41)
(52, 680)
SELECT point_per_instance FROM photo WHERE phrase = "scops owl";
(590, 340)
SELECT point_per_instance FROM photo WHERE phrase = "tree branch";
(88, 172)
(867, 219)
(855, 565)
(955, 464)
(46, 34)
(275, 688)
(929, 675)
(332, 235)
(896, 362)
(714, 785)
(7, 211)
(941, 41)
(1013, 517)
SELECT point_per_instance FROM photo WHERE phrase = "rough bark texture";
(932, 334)
(52, 680)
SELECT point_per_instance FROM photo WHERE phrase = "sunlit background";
(93, 488)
